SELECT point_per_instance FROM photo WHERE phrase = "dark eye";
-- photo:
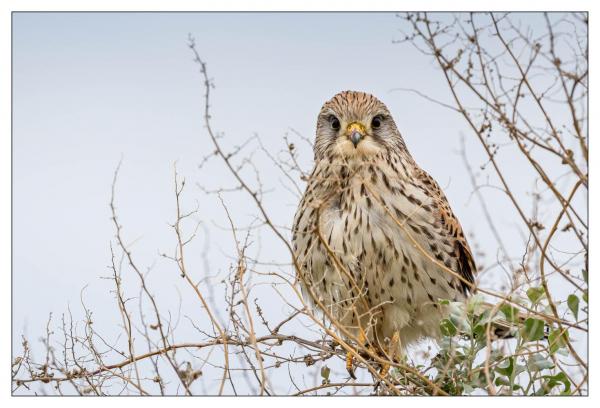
(376, 122)
(335, 123)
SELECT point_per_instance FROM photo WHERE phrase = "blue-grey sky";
(90, 89)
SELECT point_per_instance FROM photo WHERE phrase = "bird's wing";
(450, 229)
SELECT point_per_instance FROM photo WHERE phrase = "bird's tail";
(500, 321)
(506, 328)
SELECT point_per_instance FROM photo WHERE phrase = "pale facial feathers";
(349, 107)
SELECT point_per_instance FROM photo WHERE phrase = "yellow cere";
(356, 126)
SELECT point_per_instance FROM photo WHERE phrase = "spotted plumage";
(374, 237)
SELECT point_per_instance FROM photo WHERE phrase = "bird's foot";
(350, 365)
(362, 340)
(391, 355)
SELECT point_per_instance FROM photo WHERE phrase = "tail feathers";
(503, 320)
(503, 329)
(507, 329)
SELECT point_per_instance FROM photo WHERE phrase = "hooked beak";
(355, 132)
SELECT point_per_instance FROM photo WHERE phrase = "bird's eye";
(335, 122)
(376, 122)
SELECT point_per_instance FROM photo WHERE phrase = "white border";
(7, 6)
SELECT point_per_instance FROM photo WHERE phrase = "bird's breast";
(356, 221)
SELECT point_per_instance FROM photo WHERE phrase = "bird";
(375, 242)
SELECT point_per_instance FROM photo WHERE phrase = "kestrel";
(375, 241)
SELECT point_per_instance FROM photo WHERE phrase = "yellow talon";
(393, 349)
(362, 339)
(350, 365)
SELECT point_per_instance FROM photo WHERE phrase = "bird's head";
(355, 125)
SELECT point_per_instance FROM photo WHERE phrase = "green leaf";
(506, 367)
(560, 378)
(460, 323)
(533, 329)
(501, 381)
(504, 381)
(325, 371)
(535, 293)
(511, 313)
(475, 304)
(478, 331)
(519, 369)
(537, 362)
(573, 302)
(585, 296)
(556, 341)
(448, 328)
